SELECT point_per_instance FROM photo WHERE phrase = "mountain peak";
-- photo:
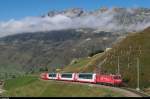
(72, 12)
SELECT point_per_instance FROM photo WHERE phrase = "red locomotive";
(114, 80)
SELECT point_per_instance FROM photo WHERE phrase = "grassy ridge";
(83, 64)
(133, 46)
(33, 87)
(77, 66)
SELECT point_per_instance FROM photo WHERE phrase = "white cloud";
(103, 21)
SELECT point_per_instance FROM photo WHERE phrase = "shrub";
(94, 53)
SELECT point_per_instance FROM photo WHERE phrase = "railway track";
(124, 90)
(141, 93)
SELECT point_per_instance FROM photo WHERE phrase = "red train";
(114, 80)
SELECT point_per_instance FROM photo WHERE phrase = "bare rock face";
(123, 19)
(74, 12)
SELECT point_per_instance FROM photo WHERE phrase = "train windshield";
(86, 76)
(66, 75)
(52, 75)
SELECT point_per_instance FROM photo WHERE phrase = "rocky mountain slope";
(35, 51)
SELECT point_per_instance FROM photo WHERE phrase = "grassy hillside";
(77, 65)
(133, 46)
(32, 86)
(19, 82)
(83, 64)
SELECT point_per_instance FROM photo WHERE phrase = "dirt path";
(1, 91)
(1, 86)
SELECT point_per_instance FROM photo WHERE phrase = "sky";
(18, 9)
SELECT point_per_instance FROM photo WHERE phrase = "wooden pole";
(138, 75)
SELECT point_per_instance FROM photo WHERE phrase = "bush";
(43, 69)
(126, 80)
(96, 52)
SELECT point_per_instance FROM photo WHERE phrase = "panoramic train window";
(66, 75)
(52, 75)
(86, 76)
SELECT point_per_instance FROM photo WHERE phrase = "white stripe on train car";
(66, 78)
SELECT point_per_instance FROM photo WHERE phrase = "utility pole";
(128, 62)
(138, 69)
(118, 65)
(138, 75)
